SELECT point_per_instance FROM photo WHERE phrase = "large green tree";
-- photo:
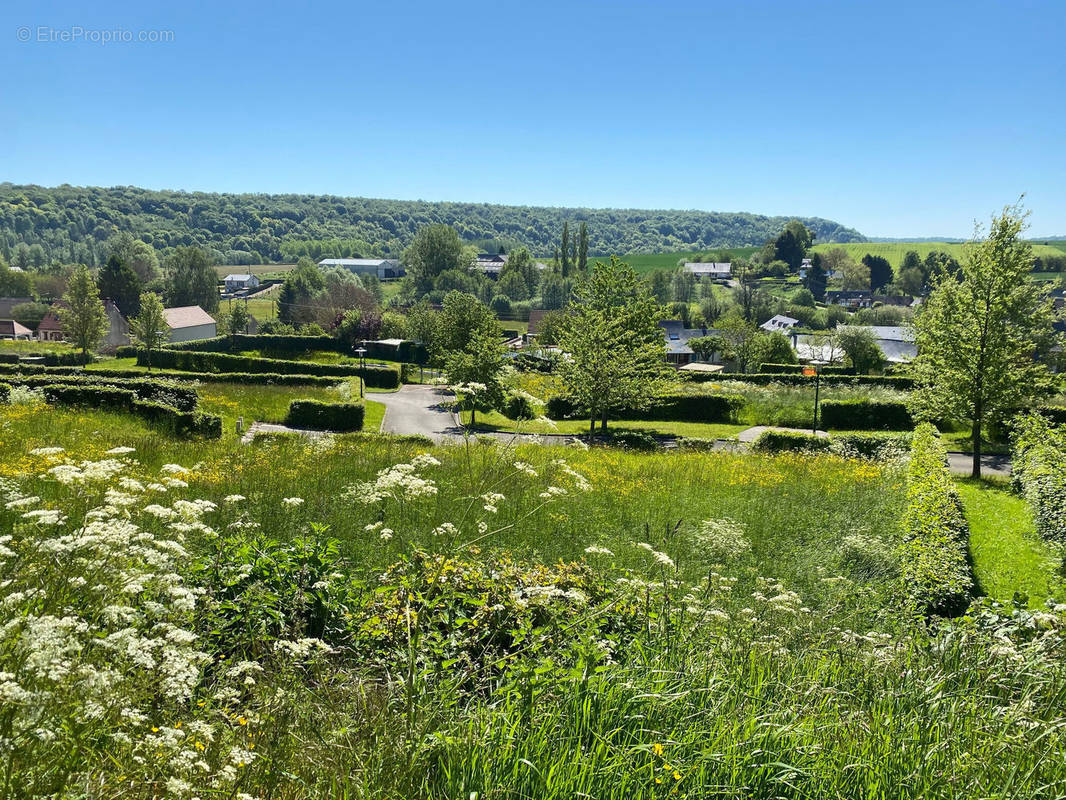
(191, 280)
(880, 271)
(119, 283)
(83, 316)
(137, 255)
(296, 299)
(615, 346)
(435, 249)
(980, 339)
(149, 328)
(478, 366)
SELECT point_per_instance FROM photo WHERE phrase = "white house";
(239, 281)
(715, 270)
(383, 268)
(779, 322)
(189, 322)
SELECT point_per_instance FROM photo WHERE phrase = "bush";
(9, 358)
(790, 441)
(519, 405)
(934, 556)
(109, 398)
(206, 363)
(870, 415)
(319, 416)
(696, 443)
(686, 407)
(873, 446)
(183, 398)
(69, 359)
(634, 440)
(898, 382)
(1039, 471)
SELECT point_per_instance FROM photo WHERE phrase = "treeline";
(72, 224)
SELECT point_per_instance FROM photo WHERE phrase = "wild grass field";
(895, 251)
(368, 616)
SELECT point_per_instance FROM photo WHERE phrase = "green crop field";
(895, 251)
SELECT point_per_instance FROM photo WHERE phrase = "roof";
(51, 321)
(187, 317)
(677, 336)
(892, 333)
(779, 322)
(535, 318)
(358, 262)
(497, 258)
(239, 277)
(709, 267)
(8, 303)
(701, 366)
(8, 327)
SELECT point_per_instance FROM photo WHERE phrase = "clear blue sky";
(899, 119)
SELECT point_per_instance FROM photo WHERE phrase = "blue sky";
(899, 119)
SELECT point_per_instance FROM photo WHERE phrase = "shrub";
(382, 377)
(797, 369)
(1039, 471)
(9, 358)
(790, 441)
(883, 415)
(634, 440)
(180, 423)
(874, 446)
(519, 405)
(696, 443)
(319, 416)
(934, 561)
(255, 378)
(899, 382)
(686, 407)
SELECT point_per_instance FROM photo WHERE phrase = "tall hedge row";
(935, 550)
(797, 369)
(902, 383)
(111, 398)
(182, 398)
(866, 415)
(1038, 468)
(256, 378)
(318, 416)
(668, 407)
(209, 363)
(298, 345)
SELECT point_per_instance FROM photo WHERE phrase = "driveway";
(418, 410)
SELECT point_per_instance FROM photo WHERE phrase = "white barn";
(715, 270)
(189, 322)
(238, 281)
(383, 268)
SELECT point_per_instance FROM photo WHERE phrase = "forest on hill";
(72, 224)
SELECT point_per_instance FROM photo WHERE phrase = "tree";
(790, 245)
(29, 314)
(565, 249)
(461, 316)
(423, 326)
(191, 280)
(817, 277)
(137, 255)
(856, 275)
(519, 276)
(435, 249)
(554, 291)
(616, 348)
(149, 328)
(684, 286)
(778, 349)
(706, 347)
(979, 338)
(477, 367)
(83, 317)
(860, 348)
(880, 271)
(14, 283)
(743, 342)
(512, 285)
(296, 298)
(236, 321)
(119, 283)
(583, 248)
(661, 283)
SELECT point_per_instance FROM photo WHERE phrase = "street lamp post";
(815, 370)
(361, 352)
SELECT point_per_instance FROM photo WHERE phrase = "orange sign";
(810, 372)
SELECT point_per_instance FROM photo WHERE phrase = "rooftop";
(187, 317)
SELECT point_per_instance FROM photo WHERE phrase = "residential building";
(491, 264)
(897, 343)
(50, 329)
(189, 322)
(779, 322)
(9, 329)
(238, 282)
(850, 298)
(715, 270)
(677, 338)
(901, 300)
(118, 332)
(382, 268)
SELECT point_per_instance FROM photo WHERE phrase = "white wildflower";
(292, 502)
(120, 451)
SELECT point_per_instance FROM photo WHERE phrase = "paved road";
(417, 410)
(962, 464)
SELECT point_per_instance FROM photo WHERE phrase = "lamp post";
(361, 352)
(815, 370)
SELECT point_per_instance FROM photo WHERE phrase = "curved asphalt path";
(418, 409)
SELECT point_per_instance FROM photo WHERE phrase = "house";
(238, 282)
(189, 322)
(901, 300)
(779, 322)
(118, 331)
(490, 264)
(8, 303)
(382, 268)
(896, 343)
(850, 298)
(9, 329)
(715, 270)
(50, 329)
(677, 338)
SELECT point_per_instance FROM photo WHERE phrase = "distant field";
(895, 251)
(649, 262)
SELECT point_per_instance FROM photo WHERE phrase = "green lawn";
(495, 421)
(22, 346)
(1008, 555)
(895, 251)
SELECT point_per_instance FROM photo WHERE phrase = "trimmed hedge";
(256, 378)
(670, 407)
(319, 416)
(297, 345)
(5, 392)
(209, 363)
(866, 415)
(790, 441)
(110, 398)
(797, 369)
(902, 383)
(182, 398)
(874, 446)
(9, 358)
(1038, 469)
(935, 566)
